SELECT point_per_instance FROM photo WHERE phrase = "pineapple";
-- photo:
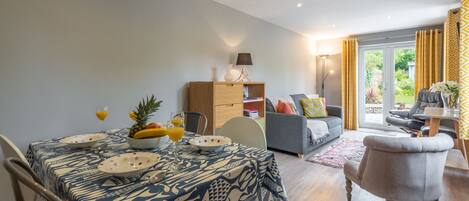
(144, 111)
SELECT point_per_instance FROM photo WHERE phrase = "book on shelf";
(251, 113)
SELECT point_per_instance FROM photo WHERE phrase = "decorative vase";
(450, 103)
(231, 74)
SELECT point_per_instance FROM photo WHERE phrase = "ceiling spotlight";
(299, 5)
(388, 17)
(332, 25)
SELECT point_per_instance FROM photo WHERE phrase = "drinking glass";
(101, 114)
(175, 131)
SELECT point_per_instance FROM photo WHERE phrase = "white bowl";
(83, 140)
(147, 143)
(129, 164)
(210, 143)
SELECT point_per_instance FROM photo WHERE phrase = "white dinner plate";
(129, 164)
(83, 140)
(210, 143)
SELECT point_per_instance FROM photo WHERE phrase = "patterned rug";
(339, 152)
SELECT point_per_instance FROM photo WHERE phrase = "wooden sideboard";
(221, 101)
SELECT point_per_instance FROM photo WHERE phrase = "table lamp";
(244, 59)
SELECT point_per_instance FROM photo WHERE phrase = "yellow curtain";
(349, 83)
(464, 71)
(428, 58)
(451, 47)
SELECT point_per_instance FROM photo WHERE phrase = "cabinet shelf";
(222, 101)
(253, 100)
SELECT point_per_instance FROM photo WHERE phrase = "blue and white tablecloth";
(236, 173)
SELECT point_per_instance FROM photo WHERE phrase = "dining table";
(236, 172)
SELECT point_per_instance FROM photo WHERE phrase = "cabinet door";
(227, 94)
(223, 113)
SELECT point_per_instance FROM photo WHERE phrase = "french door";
(385, 81)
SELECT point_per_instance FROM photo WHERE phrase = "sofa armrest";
(334, 110)
(286, 132)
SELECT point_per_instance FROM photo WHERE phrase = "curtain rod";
(386, 38)
(390, 37)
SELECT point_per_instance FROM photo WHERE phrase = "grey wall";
(332, 84)
(59, 60)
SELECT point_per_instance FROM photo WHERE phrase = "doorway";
(386, 81)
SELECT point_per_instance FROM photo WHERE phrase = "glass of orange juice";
(175, 132)
(101, 114)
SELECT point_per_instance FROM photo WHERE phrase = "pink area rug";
(339, 152)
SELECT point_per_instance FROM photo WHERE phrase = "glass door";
(385, 81)
(404, 77)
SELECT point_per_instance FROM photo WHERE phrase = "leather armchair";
(408, 120)
(408, 169)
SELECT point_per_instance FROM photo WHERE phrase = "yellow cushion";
(313, 107)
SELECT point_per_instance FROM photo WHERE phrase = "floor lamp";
(324, 74)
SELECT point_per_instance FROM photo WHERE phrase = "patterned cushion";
(313, 107)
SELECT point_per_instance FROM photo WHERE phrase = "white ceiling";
(322, 19)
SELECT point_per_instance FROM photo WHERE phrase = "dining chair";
(10, 150)
(21, 173)
(244, 130)
(400, 168)
(193, 122)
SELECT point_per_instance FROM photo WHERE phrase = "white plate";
(83, 141)
(129, 164)
(210, 143)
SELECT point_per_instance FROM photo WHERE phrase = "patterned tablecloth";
(237, 172)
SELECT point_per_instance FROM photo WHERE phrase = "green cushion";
(313, 107)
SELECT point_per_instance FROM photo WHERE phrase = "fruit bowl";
(147, 143)
(129, 164)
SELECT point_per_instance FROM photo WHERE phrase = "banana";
(149, 133)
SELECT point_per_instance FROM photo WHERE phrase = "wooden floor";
(310, 181)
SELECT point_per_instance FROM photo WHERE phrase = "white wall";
(59, 60)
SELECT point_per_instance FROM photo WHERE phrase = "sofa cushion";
(331, 121)
(269, 107)
(313, 107)
(296, 100)
(284, 107)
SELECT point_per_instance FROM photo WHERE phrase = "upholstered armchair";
(408, 169)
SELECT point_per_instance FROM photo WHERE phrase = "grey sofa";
(290, 132)
(393, 168)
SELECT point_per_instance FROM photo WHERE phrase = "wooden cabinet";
(221, 101)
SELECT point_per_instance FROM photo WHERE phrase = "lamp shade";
(244, 59)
